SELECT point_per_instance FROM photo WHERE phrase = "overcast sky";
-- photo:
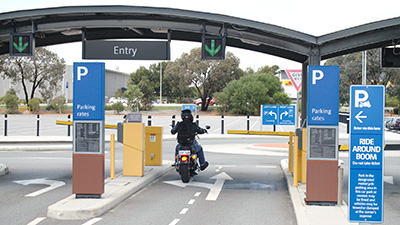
(313, 17)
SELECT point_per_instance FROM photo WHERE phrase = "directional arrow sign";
(53, 185)
(213, 50)
(359, 117)
(22, 44)
(213, 47)
(284, 113)
(271, 113)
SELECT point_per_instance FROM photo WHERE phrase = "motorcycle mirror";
(208, 127)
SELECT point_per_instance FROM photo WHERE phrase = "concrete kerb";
(116, 191)
(300, 212)
(3, 169)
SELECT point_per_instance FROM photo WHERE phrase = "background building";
(113, 81)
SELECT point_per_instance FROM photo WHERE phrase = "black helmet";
(186, 114)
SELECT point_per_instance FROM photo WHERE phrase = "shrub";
(34, 105)
(11, 101)
(118, 107)
(58, 103)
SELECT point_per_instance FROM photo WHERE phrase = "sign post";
(322, 134)
(366, 159)
(88, 138)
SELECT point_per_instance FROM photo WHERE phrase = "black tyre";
(184, 172)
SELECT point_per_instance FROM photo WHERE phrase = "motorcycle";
(187, 164)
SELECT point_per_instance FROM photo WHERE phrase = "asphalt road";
(257, 193)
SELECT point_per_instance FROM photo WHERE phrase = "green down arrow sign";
(213, 50)
(21, 47)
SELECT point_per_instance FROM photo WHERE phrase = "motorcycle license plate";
(186, 152)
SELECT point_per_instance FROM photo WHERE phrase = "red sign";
(295, 77)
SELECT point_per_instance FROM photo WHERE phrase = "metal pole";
(297, 110)
(296, 162)
(222, 124)
(290, 169)
(37, 127)
(160, 82)
(69, 126)
(112, 157)
(248, 122)
(364, 67)
(197, 119)
(5, 124)
(149, 121)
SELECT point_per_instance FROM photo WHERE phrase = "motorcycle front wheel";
(184, 172)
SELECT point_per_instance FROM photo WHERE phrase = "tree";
(269, 69)
(207, 76)
(351, 72)
(134, 96)
(245, 96)
(41, 72)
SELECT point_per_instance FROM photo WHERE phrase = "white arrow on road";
(358, 117)
(215, 188)
(53, 185)
(286, 113)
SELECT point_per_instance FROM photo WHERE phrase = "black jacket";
(187, 131)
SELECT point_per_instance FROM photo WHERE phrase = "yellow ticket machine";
(133, 146)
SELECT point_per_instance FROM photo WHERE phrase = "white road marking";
(388, 179)
(53, 185)
(219, 167)
(184, 211)
(191, 201)
(37, 221)
(174, 222)
(215, 188)
(266, 167)
(92, 221)
(197, 194)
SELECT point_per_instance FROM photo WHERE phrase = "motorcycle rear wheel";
(184, 171)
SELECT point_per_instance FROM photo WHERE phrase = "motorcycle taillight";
(184, 158)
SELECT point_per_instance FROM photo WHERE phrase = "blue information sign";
(89, 91)
(323, 95)
(366, 159)
(269, 114)
(190, 107)
(278, 114)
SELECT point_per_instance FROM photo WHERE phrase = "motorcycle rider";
(187, 131)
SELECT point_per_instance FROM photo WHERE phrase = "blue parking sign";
(366, 153)
(89, 91)
(323, 96)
